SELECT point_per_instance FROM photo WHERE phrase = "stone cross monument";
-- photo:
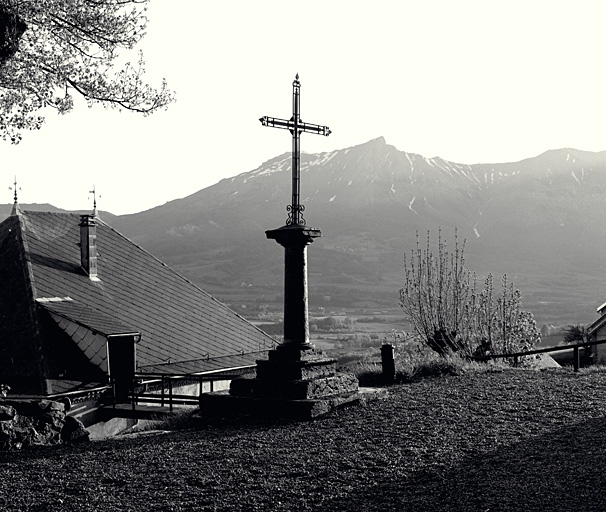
(295, 236)
(296, 379)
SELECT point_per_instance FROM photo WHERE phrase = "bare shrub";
(449, 312)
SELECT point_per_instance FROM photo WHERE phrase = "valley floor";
(510, 440)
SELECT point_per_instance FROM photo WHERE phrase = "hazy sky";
(470, 81)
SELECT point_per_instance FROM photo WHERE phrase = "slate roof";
(86, 316)
(178, 322)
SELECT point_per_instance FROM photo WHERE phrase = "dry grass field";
(498, 440)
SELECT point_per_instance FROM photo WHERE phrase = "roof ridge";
(30, 285)
(24, 253)
(39, 212)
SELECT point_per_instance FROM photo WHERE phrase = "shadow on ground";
(561, 471)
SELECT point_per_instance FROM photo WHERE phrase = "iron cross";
(296, 127)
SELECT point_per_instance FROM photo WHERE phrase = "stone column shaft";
(296, 316)
(295, 240)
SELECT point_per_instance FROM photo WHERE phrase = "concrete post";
(388, 363)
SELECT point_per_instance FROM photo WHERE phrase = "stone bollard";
(388, 363)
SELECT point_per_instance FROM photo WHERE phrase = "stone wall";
(25, 423)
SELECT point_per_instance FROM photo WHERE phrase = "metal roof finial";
(16, 210)
(94, 193)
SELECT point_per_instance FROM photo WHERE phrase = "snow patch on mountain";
(277, 167)
(412, 165)
(410, 205)
(475, 229)
(427, 205)
(322, 158)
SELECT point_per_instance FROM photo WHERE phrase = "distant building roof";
(596, 325)
(41, 274)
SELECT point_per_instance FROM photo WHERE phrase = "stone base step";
(287, 352)
(317, 388)
(222, 404)
(296, 370)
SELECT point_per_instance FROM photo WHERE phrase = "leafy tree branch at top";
(50, 49)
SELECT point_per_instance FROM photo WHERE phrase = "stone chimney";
(88, 246)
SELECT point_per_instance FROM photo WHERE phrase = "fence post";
(388, 363)
(576, 360)
(113, 383)
(170, 394)
(132, 389)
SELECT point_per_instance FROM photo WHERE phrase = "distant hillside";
(538, 220)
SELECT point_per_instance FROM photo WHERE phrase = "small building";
(80, 304)
(597, 332)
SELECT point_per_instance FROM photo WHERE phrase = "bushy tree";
(450, 313)
(575, 334)
(51, 49)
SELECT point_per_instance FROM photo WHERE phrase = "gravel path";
(514, 440)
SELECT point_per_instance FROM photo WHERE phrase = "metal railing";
(159, 389)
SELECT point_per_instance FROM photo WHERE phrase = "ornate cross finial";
(296, 127)
(16, 210)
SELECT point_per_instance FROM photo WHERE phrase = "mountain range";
(538, 220)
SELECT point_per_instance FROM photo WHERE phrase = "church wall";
(20, 359)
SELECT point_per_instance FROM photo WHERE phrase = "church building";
(80, 303)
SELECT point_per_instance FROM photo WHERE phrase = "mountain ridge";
(538, 220)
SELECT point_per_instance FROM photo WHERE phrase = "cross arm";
(276, 123)
(315, 128)
(291, 125)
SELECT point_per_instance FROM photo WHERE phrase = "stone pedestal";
(296, 381)
(293, 373)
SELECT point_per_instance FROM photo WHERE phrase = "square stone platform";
(297, 382)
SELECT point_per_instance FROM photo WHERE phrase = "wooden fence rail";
(576, 360)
